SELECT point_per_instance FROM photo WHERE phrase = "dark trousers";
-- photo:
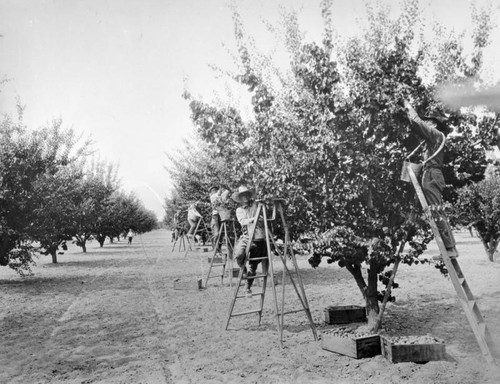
(257, 249)
(433, 184)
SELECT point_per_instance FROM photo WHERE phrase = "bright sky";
(115, 69)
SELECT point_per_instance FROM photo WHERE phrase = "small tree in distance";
(479, 204)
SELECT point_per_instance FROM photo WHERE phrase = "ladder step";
(253, 294)
(218, 264)
(254, 277)
(213, 277)
(245, 313)
(259, 258)
(289, 312)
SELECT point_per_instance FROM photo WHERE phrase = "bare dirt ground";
(113, 316)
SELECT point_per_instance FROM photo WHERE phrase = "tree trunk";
(371, 300)
(370, 294)
(84, 247)
(53, 253)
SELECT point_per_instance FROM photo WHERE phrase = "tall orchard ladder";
(466, 298)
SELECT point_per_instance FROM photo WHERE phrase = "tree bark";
(370, 294)
(53, 253)
(84, 247)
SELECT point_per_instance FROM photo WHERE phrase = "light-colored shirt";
(433, 138)
(245, 217)
(193, 213)
(218, 198)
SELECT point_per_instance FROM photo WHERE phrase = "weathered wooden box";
(193, 285)
(416, 350)
(217, 260)
(357, 347)
(345, 314)
(236, 272)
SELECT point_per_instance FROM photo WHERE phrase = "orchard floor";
(112, 316)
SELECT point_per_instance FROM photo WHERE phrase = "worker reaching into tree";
(433, 129)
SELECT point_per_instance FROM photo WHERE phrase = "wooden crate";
(217, 260)
(357, 347)
(345, 314)
(417, 353)
(193, 285)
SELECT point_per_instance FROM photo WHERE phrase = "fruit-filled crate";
(349, 343)
(416, 349)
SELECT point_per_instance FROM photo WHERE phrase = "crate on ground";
(345, 314)
(190, 285)
(358, 347)
(416, 349)
(204, 248)
(217, 259)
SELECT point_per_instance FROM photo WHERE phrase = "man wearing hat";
(433, 129)
(246, 217)
(217, 197)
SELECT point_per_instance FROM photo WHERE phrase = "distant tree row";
(54, 191)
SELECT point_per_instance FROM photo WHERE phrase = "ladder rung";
(253, 294)
(218, 264)
(246, 312)
(289, 312)
(213, 277)
(259, 258)
(255, 277)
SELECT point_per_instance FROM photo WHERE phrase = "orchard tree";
(91, 199)
(479, 204)
(29, 159)
(193, 170)
(329, 136)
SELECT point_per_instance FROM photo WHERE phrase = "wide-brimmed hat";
(441, 120)
(437, 115)
(242, 190)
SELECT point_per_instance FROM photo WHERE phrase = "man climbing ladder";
(433, 129)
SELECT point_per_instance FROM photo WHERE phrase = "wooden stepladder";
(182, 239)
(202, 227)
(268, 271)
(223, 250)
(466, 298)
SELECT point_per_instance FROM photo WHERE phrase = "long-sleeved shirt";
(433, 137)
(245, 216)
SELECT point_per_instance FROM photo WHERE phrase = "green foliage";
(330, 136)
(479, 205)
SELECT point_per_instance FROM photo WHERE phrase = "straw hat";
(242, 190)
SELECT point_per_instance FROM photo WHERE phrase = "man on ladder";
(258, 248)
(433, 129)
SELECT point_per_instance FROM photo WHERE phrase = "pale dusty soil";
(112, 316)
